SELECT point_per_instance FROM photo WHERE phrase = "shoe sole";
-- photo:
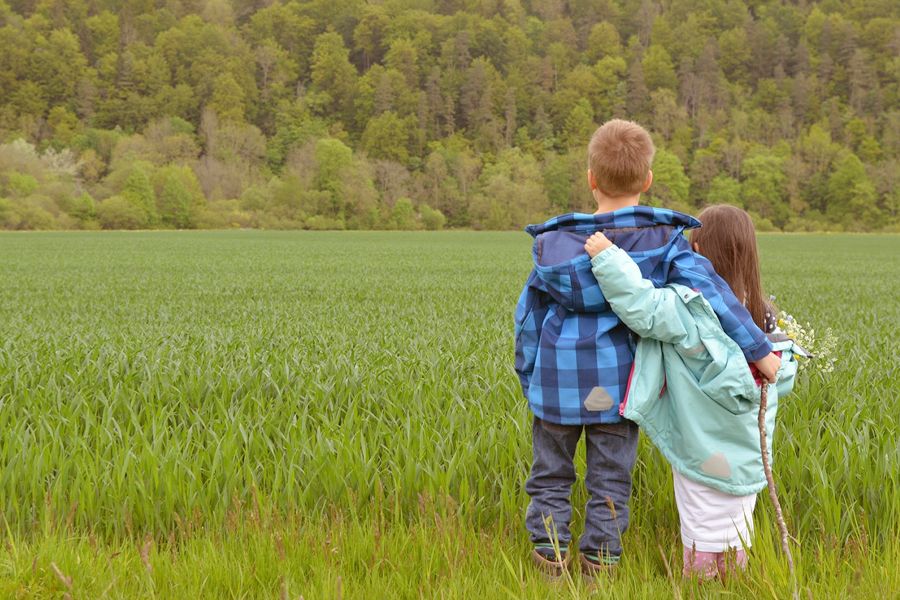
(553, 569)
(592, 571)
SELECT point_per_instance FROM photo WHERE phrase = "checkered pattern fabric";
(573, 355)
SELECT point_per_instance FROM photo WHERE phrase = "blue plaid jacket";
(573, 355)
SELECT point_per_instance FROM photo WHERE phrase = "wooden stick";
(770, 480)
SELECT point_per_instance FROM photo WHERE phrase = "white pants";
(712, 521)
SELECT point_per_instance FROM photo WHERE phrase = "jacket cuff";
(605, 256)
(759, 351)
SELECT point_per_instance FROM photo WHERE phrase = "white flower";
(822, 348)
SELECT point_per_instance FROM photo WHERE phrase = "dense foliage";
(417, 113)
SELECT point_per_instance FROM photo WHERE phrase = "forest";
(429, 114)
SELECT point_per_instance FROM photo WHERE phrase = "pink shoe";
(731, 562)
(703, 565)
(709, 565)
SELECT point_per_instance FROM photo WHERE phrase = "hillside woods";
(416, 114)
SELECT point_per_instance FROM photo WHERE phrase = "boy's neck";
(608, 204)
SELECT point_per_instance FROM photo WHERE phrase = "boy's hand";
(596, 244)
(768, 367)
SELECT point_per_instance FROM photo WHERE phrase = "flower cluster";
(821, 346)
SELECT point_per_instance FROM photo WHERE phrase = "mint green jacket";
(691, 390)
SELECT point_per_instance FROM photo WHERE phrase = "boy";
(574, 356)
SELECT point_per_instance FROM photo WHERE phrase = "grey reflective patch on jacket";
(598, 399)
(717, 466)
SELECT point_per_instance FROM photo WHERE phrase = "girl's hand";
(768, 367)
(596, 244)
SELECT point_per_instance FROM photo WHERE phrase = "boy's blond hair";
(619, 156)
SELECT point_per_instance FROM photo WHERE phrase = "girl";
(692, 391)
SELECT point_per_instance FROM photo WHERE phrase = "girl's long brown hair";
(728, 239)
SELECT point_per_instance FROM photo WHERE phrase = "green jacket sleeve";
(646, 310)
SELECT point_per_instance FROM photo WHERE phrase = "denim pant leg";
(552, 476)
(611, 452)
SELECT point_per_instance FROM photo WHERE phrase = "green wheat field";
(335, 415)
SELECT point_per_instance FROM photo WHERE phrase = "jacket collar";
(633, 216)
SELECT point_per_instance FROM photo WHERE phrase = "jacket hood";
(633, 216)
(563, 269)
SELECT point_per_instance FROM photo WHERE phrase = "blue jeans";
(611, 452)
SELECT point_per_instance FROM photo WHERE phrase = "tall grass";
(176, 384)
(428, 556)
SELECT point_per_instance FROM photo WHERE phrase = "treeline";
(333, 114)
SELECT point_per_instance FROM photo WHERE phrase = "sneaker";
(712, 565)
(548, 562)
(594, 564)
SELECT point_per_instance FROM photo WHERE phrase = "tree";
(724, 190)
(403, 57)
(369, 34)
(450, 179)
(735, 54)
(276, 71)
(511, 193)
(20, 185)
(233, 159)
(104, 34)
(671, 186)
(764, 186)
(403, 215)
(580, 124)
(704, 167)
(218, 12)
(81, 207)
(57, 65)
(387, 136)
(763, 100)
(64, 125)
(227, 98)
(580, 82)
(603, 41)
(25, 215)
(432, 219)
(139, 193)
(294, 125)
(658, 69)
(333, 75)
(637, 89)
(851, 195)
(477, 102)
(333, 159)
(180, 197)
(668, 115)
(119, 213)
(611, 87)
(565, 181)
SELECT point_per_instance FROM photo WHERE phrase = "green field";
(260, 414)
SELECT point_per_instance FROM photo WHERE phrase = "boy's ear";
(696, 247)
(592, 181)
(649, 181)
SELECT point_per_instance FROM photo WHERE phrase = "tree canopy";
(400, 114)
